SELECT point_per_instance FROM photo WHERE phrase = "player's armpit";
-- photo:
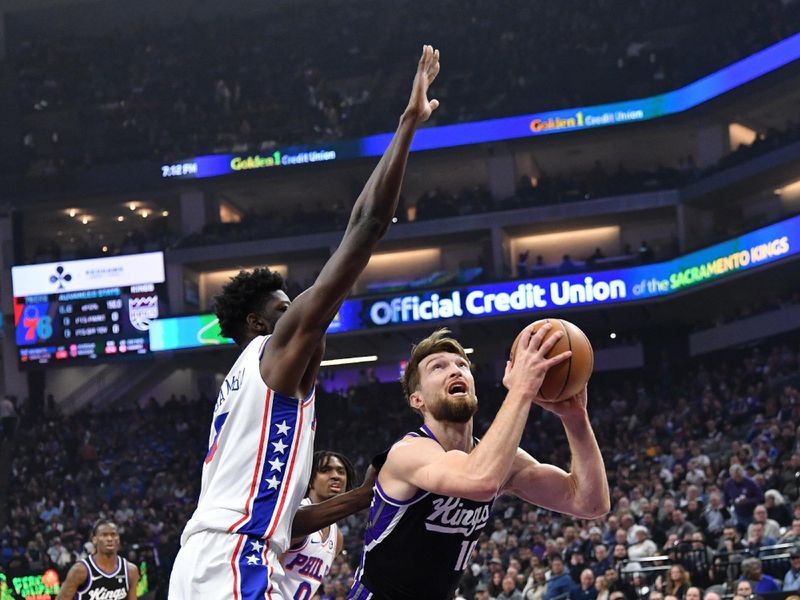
(76, 578)
(422, 464)
(547, 486)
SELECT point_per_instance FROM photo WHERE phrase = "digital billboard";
(756, 248)
(86, 309)
(493, 130)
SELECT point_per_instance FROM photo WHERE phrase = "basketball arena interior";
(630, 167)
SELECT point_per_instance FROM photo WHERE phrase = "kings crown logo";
(142, 310)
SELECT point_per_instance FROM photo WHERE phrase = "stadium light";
(353, 360)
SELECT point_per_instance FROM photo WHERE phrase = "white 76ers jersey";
(258, 464)
(305, 565)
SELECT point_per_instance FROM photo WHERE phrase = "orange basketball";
(567, 378)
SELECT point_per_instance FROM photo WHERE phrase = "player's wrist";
(411, 116)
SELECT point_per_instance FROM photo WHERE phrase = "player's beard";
(454, 410)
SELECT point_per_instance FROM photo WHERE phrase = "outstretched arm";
(292, 356)
(314, 517)
(421, 463)
(583, 492)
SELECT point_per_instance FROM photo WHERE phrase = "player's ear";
(257, 323)
(415, 401)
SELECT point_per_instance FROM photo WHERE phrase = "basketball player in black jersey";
(434, 493)
(104, 575)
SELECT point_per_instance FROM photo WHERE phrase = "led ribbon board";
(508, 128)
(757, 248)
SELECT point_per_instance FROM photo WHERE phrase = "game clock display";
(87, 324)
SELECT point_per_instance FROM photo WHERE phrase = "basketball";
(567, 378)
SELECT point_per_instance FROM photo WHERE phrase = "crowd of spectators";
(169, 89)
(703, 455)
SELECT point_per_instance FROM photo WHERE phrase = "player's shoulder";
(79, 572)
(131, 568)
(412, 449)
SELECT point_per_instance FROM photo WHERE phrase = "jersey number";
(303, 591)
(466, 552)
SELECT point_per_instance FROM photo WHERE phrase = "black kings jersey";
(104, 586)
(417, 549)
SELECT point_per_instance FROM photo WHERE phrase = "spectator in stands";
(522, 264)
(730, 541)
(716, 515)
(790, 477)
(645, 253)
(536, 586)
(711, 595)
(597, 255)
(792, 535)
(757, 539)
(8, 417)
(791, 581)
(601, 585)
(585, 590)
(743, 589)
(693, 593)
(496, 580)
(510, 591)
(770, 526)
(618, 585)
(680, 526)
(603, 560)
(777, 508)
(560, 583)
(759, 582)
(678, 581)
(482, 592)
(566, 266)
(743, 494)
(644, 546)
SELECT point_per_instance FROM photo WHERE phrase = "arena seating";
(667, 441)
(165, 90)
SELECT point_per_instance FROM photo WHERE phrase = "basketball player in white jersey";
(437, 486)
(310, 557)
(105, 574)
(258, 463)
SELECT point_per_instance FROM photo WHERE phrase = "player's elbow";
(592, 510)
(370, 225)
(482, 489)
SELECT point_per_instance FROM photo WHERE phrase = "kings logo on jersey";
(449, 516)
(104, 594)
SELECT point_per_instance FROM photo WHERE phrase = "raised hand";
(428, 68)
(574, 406)
(526, 373)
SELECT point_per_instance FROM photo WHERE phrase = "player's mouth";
(335, 487)
(458, 388)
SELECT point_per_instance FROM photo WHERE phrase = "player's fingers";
(423, 56)
(534, 339)
(550, 342)
(434, 104)
(552, 362)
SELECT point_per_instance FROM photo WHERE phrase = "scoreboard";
(87, 310)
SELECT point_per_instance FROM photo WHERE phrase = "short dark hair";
(242, 295)
(99, 523)
(321, 460)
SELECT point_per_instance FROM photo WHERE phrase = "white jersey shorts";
(213, 565)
